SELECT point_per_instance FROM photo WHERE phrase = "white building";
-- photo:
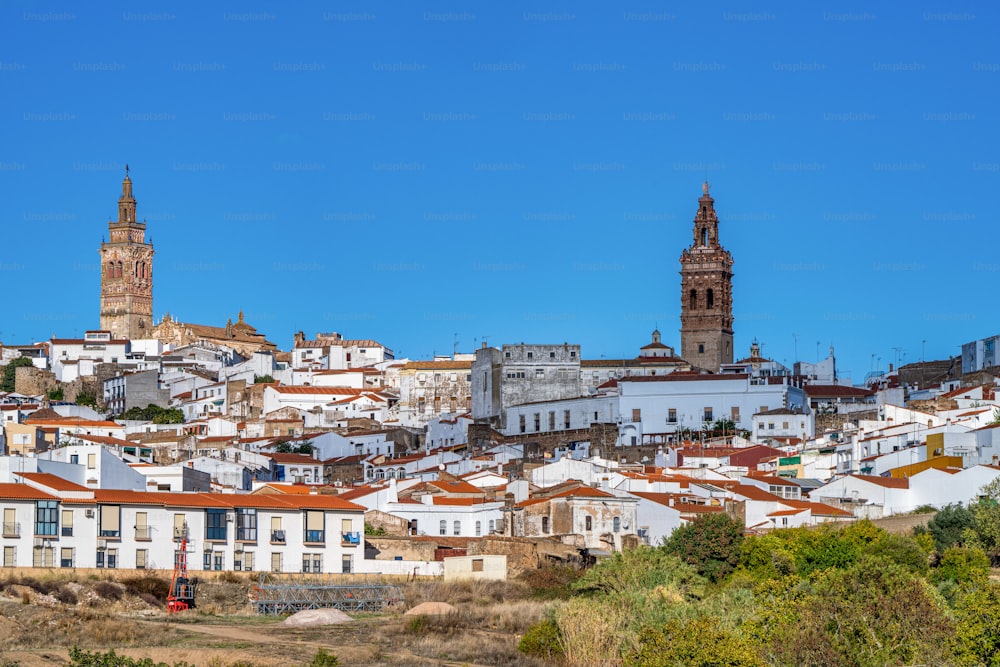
(77, 357)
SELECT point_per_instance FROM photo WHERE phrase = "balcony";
(315, 536)
(12, 529)
(180, 533)
(277, 537)
(351, 538)
(143, 533)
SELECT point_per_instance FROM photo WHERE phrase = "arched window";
(704, 236)
(479, 528)
(119, 270)
(710, 299)
(110, 272)
(444, 527)
(617, 523)
(458, 528)
(693, 299)
(545, 524)
(493, 525)
(588, 522)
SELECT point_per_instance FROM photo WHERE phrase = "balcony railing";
(351, 538)
(143, 533)
(315, 536)
(12, 529)
(278, 536)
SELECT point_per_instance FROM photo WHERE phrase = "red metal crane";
(181, 594)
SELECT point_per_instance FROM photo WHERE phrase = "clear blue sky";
(510, 171)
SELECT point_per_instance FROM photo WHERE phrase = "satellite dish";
(440, 466)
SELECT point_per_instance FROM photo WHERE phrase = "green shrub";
(542, 640)
(324, 659)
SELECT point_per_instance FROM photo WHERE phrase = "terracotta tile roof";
(105, 440)
(888, 482)
(51, 481)
(438, 366)
(456, 487)
(443, 500)
(287, 458)
(836, 391)
(72, 421)
(331, 391)
(23, 492)
(818, 509)
(787, 512)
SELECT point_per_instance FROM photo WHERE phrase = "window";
(708, 416)
(66, 557)
(636, 415)
(91, 461)
(315, 526)
(506, 354)
(215, 525)
(588, 523)
(770, 426)
(701, 348)
(479, 528)
(693, 299)
(457, 528)
(477, 564)
(617, 524)
(531, 355)
(142, 531)
(552, 420)
(672, 416)
(347, 563)
(46, 517)
(44, 557)
(312, 563)
(521, 423)
(443, 529)
(9, 557)
(74, 459)
(784, 425)
(572, 354)
(112, 558)
(217, 558)
(493, 525)
(243, 560)
(67, 523)
(566, 420)
(275, 562)
(538, 422)
(545, 524)
(539, 373)
(141, 558)
(246, 524)
(710, 299)
(734, 414)
(110, 521)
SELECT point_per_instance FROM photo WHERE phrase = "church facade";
(706, 293)
(127, 273)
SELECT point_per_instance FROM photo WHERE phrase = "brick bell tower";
(706, 293)
(127, 273)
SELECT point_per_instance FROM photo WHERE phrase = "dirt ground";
(38, 628)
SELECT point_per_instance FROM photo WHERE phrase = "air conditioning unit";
(39, 541)
(102, 544)
(89, 514)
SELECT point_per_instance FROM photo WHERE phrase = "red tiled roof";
(888, 482)
(23, 492)
(52, 481)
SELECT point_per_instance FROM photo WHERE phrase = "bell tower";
(706, 293)
(127, 272)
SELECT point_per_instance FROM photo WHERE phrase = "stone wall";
(32, 381)
(391, 524)
(836, 422)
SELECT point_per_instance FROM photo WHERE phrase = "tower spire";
(126, 204)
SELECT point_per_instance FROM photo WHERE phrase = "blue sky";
(511, 171)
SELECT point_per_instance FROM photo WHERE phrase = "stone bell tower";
(127, 273)
(706, 293)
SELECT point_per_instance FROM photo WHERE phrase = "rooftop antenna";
(454, 347)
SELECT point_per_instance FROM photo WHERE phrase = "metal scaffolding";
(288, 593)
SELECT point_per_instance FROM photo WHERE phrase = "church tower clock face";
(706, 292)
(126, 272)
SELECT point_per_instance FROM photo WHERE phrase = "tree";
(977, 631)
(711, 543)
(700, 642)
(949, 524)
(86, 398)
(985, 530)
(155, 414)
(872, 614)
(285, 447)
(10, 370)
(261, 379)
(56, 394)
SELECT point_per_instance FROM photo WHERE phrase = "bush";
(147, 585)
(108, 590)
(711, 543)
(324, 659)
(417, 625)
(542, 640)
(65, 595)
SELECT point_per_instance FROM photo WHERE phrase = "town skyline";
(494, 205)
